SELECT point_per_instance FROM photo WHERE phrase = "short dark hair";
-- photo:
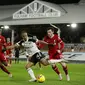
(23, 32)
(50, 28)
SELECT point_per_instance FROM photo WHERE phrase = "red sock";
(65, 69)
(56, 69)
(4, 69)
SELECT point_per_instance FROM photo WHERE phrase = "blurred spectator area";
(68, 48)
(74, 47)
(71, 47)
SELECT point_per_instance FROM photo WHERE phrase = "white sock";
(31, 73)
(52, 61)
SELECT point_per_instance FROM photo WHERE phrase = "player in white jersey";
(34, 53)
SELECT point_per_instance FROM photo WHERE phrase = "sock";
(4, 69)
(65, 69)
(52, 61)
(56, 69)
(31, 73)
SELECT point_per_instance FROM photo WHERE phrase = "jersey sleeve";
(41, 45)
(4, 41)
(3, 44)
(61, 43)
(19, 43)
(33, 39)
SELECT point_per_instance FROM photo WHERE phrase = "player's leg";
(55, 68)
(10, 58)
(4, 68)
(52, 63)
(4, 61)
(32, 61)
(30, 71)
(65, 70)
(46, 62)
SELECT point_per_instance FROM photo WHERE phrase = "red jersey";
(8, 51)
(59, 44)
(2, 42)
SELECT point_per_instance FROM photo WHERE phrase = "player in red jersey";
(55, 48)
(9, 52)
(3, 61)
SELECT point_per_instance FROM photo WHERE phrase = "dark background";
(14, 2)
(68, 34)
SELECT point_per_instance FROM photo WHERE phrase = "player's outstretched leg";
(53, 61)
(4, 69)
(46, 62)
(66, 71)
(30, 71)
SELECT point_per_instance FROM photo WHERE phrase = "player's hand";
(50, 44)
(54, 42)
(16, 45)
(58, 51)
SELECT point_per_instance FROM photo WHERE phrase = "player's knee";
(63, 64)
(26, 67)
(53, 65)
(44, 64)
(64, 67)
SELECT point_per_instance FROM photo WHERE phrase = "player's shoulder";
(21, 41)
(46, 37)
(56, 36)
(2, 37)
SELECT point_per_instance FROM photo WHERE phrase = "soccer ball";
(40, 78)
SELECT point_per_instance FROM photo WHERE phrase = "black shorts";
(36, 57)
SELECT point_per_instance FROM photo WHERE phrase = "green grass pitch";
(21, 77)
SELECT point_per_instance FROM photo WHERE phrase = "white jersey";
(29, 46)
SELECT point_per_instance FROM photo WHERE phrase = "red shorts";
(2, 57)
(56, 56)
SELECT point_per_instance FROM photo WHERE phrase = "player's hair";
(23, 32)
(50, 28)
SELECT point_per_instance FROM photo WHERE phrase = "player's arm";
(17, 45)
(45, 43)
(12, 47)
(42, 43)
(61, 43)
